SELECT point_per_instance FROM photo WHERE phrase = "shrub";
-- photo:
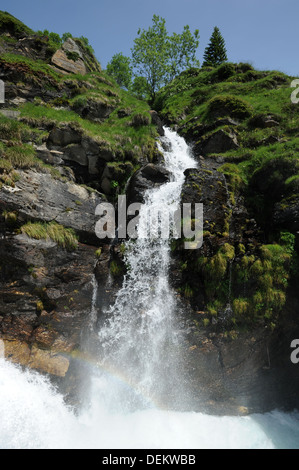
(228, 105)
(240, 306)
(116, 269)
(225, 71)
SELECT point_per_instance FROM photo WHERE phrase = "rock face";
(67, 203)
(147, 177)
(229, 371)
(61, 60)
(45, 303)
(249, 374)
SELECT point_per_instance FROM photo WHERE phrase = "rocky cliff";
(70, 139)
(241, 285)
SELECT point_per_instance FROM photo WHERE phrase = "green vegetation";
(248, 283)
(116, 269)
(34, 69)
(121, 70)
(17, 151)
(10, 24)
(157, 58)
(10, 218)
(215, 52)
(124, 136)
(64, 237)
(227, 105)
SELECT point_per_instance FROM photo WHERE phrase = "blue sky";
(262, 32)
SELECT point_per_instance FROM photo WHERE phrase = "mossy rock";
(228, 105)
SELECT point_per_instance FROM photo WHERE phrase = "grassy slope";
(127, 132)
(263, 170)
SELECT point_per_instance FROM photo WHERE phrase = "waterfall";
(138, 380)
(139, 337)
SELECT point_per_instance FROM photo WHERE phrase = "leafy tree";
(149, 54)
(121, 70)
(182, 50)
(140, 88)
(215, 52)
(159, 57)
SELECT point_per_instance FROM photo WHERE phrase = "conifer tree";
(215, 52)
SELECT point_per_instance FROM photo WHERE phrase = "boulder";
(93, 109)
(220, 141)
(263, 121)
(61, 60)
(146, 178)
(47, 156)
(64, 135)
(71, 46)
(48, 362)
(76, 153)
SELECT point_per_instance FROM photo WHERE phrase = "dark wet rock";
(94, 109)
(286, 214)
(76, 153)
(208, 188)
(51, 157)
(64, 135)
(263, 121)
(158, 122)
(147, 177)
(45, 303)
(251, 373)
(218, 142)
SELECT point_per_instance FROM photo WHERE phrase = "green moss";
(240, 307)
(34, 69)
(228, 105)
(214, 308)
(116, 269)
(39, 306)
(64, 237)
(98, 252)
(188, 292)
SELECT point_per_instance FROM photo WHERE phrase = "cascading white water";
(138, 363)
(34, 416)
(139, 338)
